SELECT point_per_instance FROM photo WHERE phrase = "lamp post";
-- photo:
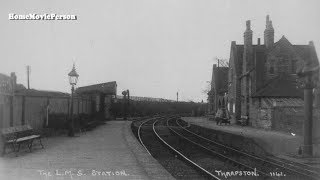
(73, 79)
(124, 93)
(128, 102)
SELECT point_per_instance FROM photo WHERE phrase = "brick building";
(262, 76)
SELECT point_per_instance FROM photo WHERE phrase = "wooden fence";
(21, 109)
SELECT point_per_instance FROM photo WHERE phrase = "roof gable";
(283, 47)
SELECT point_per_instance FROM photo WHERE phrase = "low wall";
(289, 120)
(284, 119)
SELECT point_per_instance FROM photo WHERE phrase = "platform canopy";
(108, 88)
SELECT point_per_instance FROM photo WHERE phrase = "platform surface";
(283, 145)
(274, 142)
(108, 152)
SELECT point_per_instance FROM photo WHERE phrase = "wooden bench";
(15, 136)
(86, 124)
(92, 124)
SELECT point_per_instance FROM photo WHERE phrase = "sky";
(154, 48)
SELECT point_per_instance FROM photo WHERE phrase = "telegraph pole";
(177, 96)
(28, 75)
(124, 93)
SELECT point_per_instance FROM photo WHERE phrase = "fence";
(22, 109)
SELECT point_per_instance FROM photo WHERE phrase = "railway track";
(149, 140)
(191, 154)
(178, 152)
(269, 167)
(211, 158)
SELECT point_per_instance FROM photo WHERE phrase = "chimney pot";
(268, 33)
(270, 24)
(311, 43)
(248, 25)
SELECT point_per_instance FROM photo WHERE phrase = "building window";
(283, 66)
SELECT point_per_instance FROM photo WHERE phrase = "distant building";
(264, 75)
(102, 94)
(8, 84)
(219, 88)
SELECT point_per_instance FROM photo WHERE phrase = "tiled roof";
(307, 53)
(287, 105)
(281, 86)
(239, 59)
(106, 88)
(20, 87)
(41, 93)
(3, 76)
(282, 102)
(150, 99)
(222, 80)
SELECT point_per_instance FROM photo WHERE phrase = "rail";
(298, 170)
(182, 156)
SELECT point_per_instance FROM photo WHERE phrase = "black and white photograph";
(160, 90)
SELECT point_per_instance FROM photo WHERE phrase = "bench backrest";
(17, 130)
(244, 117)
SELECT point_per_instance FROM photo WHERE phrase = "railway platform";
(279, 144)
(110, 151)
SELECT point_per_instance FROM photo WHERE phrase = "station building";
(262, 78)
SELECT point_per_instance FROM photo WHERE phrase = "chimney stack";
(247, 52)
(268, 33)
(248, 34)
(247, 64)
